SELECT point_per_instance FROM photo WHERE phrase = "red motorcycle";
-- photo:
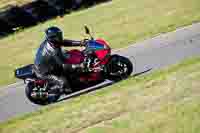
(100, 63)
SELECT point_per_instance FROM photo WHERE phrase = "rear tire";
(40, 101)
(119, 68)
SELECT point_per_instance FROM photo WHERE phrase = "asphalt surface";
(147, 56)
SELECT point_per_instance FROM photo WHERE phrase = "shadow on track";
(97, 87)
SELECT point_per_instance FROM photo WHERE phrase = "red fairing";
(90, 77)
(102, 41)
(40, 82)
(76, 57)
(101, 54)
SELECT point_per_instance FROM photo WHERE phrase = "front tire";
(119, 68)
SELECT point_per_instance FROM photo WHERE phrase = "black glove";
(84, 42)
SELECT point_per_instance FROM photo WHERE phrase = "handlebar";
(85, 42)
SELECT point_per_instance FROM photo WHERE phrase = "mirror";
(87, 31)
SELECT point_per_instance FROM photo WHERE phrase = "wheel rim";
(120, 69)
(43, 95)
(39, 93)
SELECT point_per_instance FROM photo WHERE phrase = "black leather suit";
(49, 62)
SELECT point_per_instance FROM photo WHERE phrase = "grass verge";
(121, 22)
(164, 101)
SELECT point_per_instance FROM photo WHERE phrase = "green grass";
(164, 101)
(121, 22)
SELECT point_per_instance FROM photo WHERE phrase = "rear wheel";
(119, 68)
(41, 96)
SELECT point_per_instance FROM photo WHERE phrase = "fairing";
(75, 57)
(98, 44)
(101, 48)
(102, 51)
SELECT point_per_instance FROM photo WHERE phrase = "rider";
(49, 61)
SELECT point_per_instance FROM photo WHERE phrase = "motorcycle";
(100, 62)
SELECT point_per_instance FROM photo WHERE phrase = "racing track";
(152, 54)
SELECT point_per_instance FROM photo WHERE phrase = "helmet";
(54, 34)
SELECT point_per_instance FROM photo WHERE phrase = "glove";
(84, 42)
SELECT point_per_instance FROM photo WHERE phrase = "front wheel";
(119, 68)
(39, 95)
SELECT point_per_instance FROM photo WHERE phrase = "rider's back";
(45, 58)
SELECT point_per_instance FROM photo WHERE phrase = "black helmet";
(54, 34)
